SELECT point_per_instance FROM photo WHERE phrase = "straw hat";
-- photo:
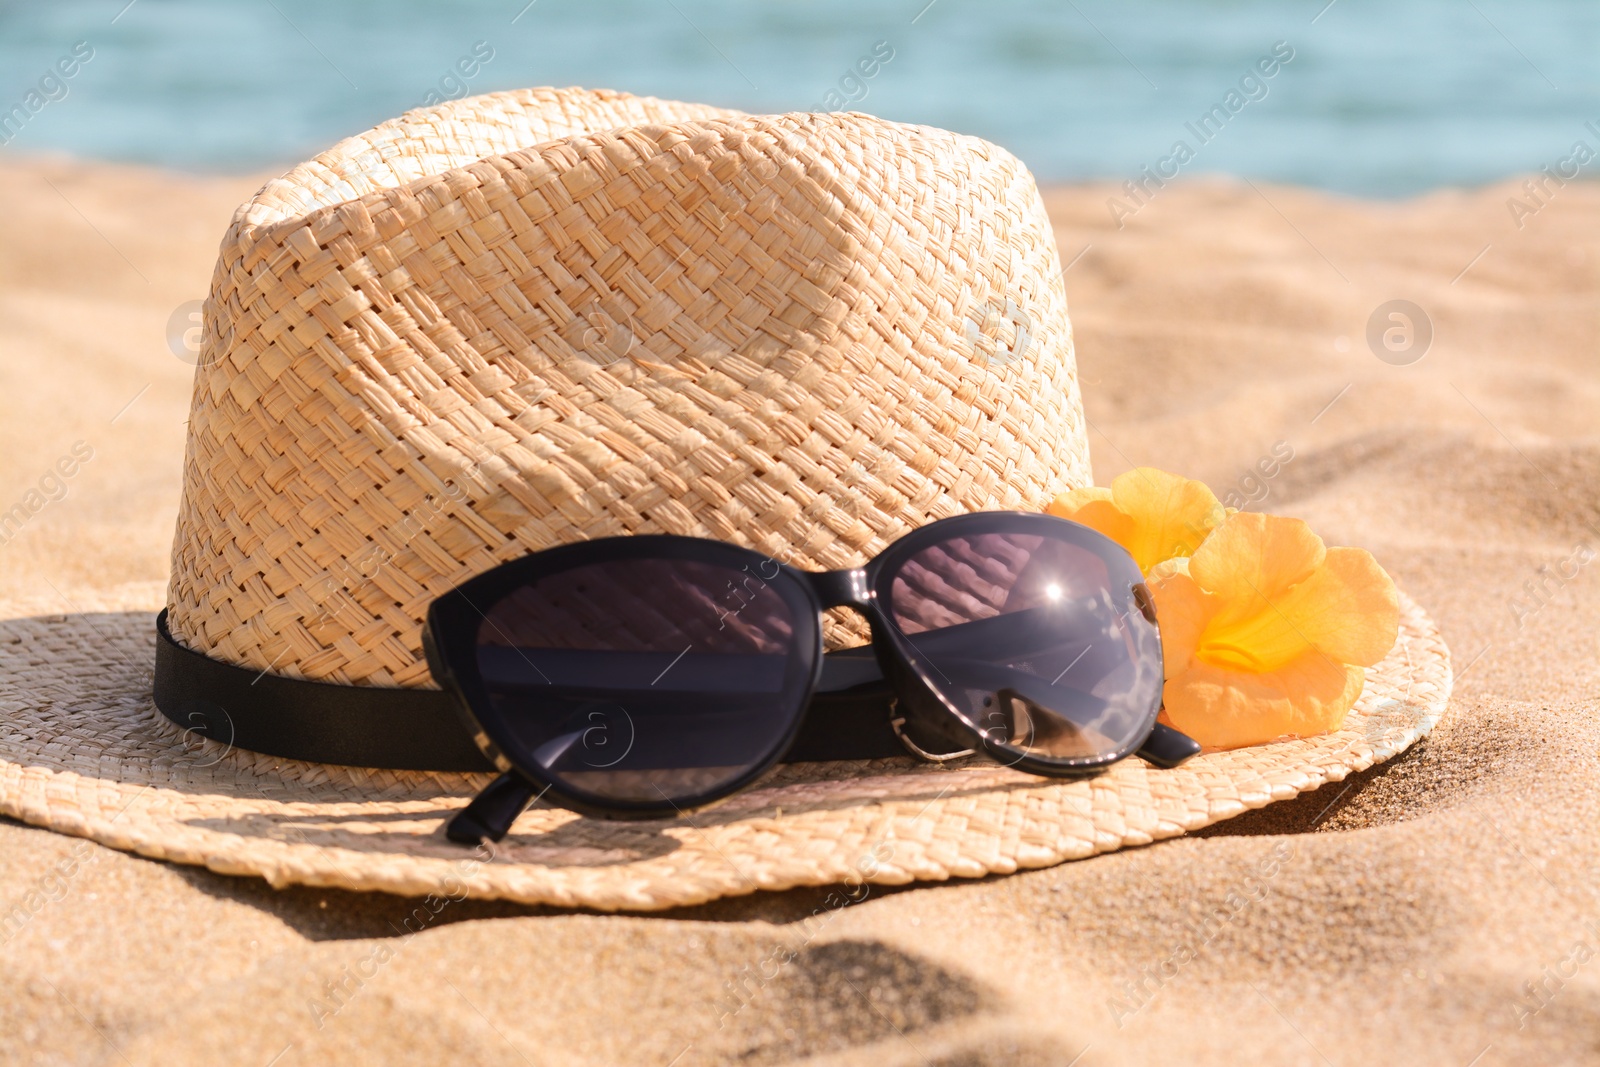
(529, 318)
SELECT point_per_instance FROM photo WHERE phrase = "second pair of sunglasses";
(646, 676)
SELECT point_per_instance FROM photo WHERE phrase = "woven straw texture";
(84, 751)
(531, 318)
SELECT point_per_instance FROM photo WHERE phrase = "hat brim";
(83, 751)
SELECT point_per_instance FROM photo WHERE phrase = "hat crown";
(433, 349)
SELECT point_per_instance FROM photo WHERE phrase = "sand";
(1396, 917)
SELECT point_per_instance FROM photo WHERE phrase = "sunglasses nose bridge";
(846, 588)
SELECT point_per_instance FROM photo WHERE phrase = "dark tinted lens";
(643, 680)
(1036, 640)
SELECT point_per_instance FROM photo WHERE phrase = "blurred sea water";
(1381, 98)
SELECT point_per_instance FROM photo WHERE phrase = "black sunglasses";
(636, 677)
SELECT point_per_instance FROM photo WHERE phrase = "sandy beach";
(1440, 909)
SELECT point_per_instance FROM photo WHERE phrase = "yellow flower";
(1264, 631)
(1152, 514)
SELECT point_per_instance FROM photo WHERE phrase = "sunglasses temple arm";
(492, 811)
(1166, 747)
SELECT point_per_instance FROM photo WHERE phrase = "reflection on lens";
(643, 680)
(1035, 639)
(598, 737)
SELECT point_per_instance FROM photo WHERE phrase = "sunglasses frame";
(451, 632)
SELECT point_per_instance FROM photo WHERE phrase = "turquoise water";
(1379, 98)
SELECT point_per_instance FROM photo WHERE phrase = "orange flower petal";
(1171, 514)
(1151, 513)
(1230, 709)
(1349, 608)
(1073, 499)
(1345, 605)
(1092, 507)
(1182, 611)
(1252, 556)
(1269, 631)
